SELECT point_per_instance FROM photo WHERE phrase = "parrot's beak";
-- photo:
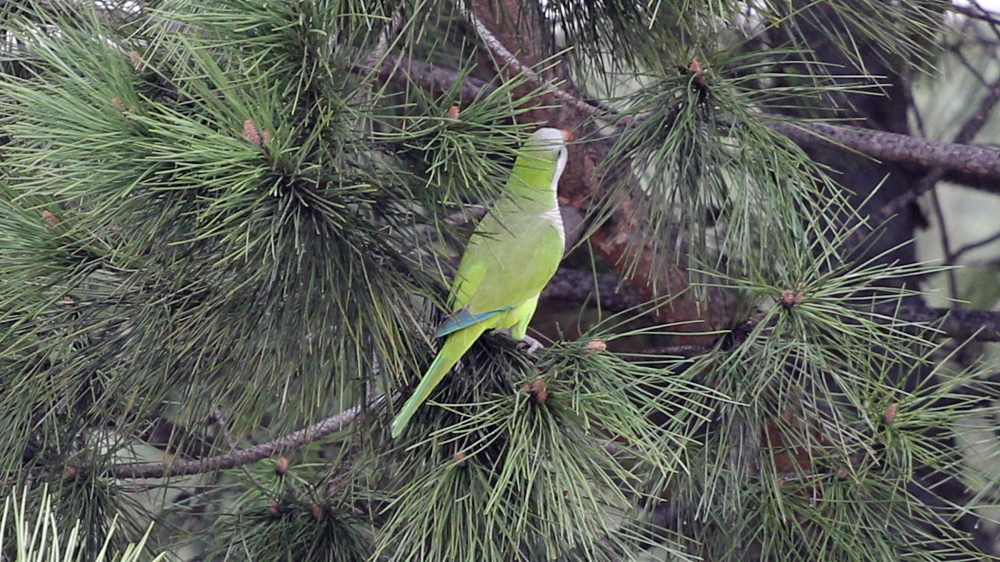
(567, 136)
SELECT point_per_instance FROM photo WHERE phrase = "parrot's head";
(548, 145)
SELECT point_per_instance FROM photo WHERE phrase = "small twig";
(912, 106)
(990, 18)
(975, 123)
(974, 245)
(381, 46)
(941, 156)
(241, 457)
(508, 58)
(383, 39)
(220, 422)
(969, 67)
(949, 256)
(976, 12)
(686, 351)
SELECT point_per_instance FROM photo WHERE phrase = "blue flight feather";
(463, 319)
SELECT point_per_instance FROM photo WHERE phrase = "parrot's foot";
(530, 345)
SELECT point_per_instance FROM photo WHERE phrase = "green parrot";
(511, 256)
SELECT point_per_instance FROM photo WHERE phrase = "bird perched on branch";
(511, 256)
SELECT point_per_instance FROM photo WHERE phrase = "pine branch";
(242, 457)
(959, 158)
(894, 147)
(578, 286)
(542, 483)
(962, 325)
(965, 135)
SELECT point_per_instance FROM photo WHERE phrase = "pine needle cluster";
(224, 221)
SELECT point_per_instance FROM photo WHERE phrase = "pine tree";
(228, 229)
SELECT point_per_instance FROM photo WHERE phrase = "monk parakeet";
(511, 256)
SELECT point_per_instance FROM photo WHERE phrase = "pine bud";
(538, 392)
(790, 299)
(890, 414)
(254, 135)
(594, 346)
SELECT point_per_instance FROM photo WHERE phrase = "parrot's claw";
(530, 345)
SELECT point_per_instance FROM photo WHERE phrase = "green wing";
(504, 265)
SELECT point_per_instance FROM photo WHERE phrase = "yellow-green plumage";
(511, 256)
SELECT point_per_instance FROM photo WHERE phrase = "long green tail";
(453, 349)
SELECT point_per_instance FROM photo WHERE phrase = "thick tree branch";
(242, 457)
(968, 131)
(574, 285)
(976, 325)
(904, 149)
(960, 325)
(431, 78)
